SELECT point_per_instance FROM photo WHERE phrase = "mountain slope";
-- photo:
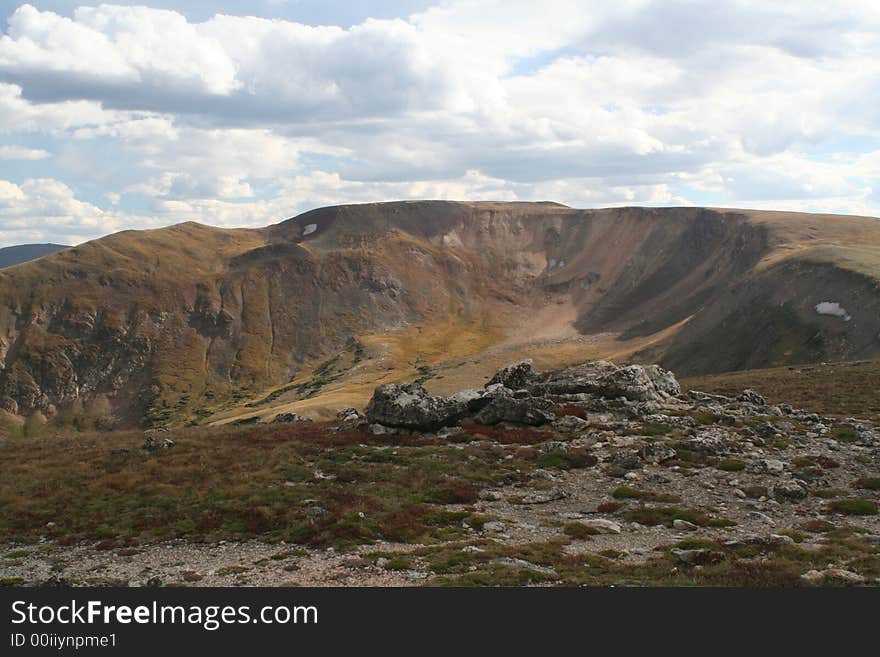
(192, 323)
(15, 255)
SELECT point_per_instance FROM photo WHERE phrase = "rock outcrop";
(517, 394)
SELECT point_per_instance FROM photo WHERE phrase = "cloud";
(22, 153)
(243, 119)
(41, 208)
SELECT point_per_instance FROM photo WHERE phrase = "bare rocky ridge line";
(639, 482)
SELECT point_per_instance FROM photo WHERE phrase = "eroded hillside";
(196, 324)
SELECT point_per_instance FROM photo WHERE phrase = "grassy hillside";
(192, 324)
(836, 389)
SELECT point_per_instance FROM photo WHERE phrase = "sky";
(120, 116)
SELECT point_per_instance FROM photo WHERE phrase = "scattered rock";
(153, 444)
(290, 417)
(836, 575)
(751, 397)
(521, 563)
(602, 525)
(570, 424)
(678, 523)
(788, 490)
(656, 453)
(541, 497)
(767, 466)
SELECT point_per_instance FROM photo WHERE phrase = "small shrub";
(399, 563)
(731, 465)
(630, 493)
(755, 492)
(817, 526)
(829, 493)
(854, 507)
(845, 435)
(652, 516)
(452, 492)
(827, 462)
(609, 507)
(572, 459)
(868, 483)
(579, 530)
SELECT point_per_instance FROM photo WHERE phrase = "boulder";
(836, 575)
(347, 414)
(709, 441)
(788, 490)
(409, 406)
(603, 526)
(656, 453)
(502, 406)
(515, 376)
(570, 424)
(751, 397)
(604, 379)
(350, 418)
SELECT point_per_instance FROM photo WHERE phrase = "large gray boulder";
(409, 406)
(500, 405)
(604, 379)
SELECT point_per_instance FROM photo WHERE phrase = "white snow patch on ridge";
(832, 308)
(309, 229)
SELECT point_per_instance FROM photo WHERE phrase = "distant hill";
(193, 324)
(15, 255)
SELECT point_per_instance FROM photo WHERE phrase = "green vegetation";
(567, 459)
(869, 483)
(845, 435)
(854, 507)
(298, 483)
(651, 515)
(630, 493)
(579, 530)
(650, 429)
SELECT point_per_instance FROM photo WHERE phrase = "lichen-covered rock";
(788, 490)
(409, 406)
(570, 424)
(515, 376)
(751, 397)
(604, 379)
(350, 418)
(656, 453)
(710, 441)
(502, 406)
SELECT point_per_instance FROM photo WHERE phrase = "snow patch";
(834, 309)
(309, 229)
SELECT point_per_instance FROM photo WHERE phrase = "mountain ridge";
(21, 253)
(198, 324)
